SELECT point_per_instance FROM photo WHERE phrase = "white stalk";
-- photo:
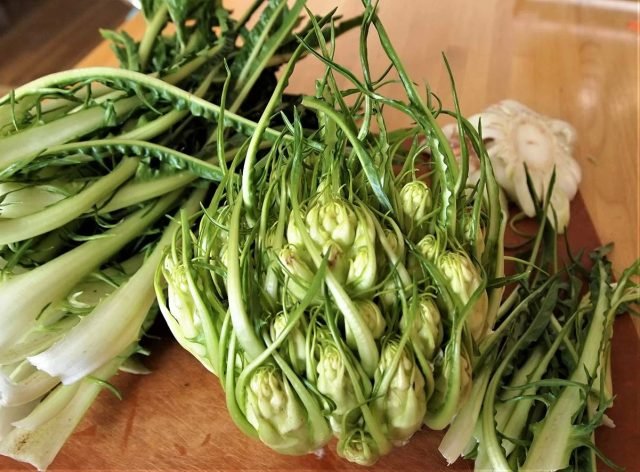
(23, 297)
(10, 414)
(112, 326)
(15, 392)
(40, 446)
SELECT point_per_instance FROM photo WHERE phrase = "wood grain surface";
(573, 60)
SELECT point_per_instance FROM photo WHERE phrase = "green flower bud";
(460, 272)
(336, 260)
(362, 269)
(415, 201)
(187, 328)
(402, 403)
(430, 248)
(388, 296)
(397, 245)
(366, 230)
(426, 329)
(294, 346)
(293, 233)
(359, 447)
(297, 273)
(372, 317)
(363, 265)
(332, 220)
(463, 280)
(390, 241)
(334, 382)
(274, 410)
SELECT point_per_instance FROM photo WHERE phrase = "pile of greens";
(330, 295)
(336, 281)
(91, 161)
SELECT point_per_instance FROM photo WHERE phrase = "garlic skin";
(515, 135)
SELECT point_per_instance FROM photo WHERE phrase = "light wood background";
(575, 60)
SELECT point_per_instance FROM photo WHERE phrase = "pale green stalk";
(461, 430)
(40, 445)
(555, 438)
(68, 209)
(242, 324)
(23, 146)
(133, 193)
(18, 388)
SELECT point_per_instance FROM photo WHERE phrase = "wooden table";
(570, 59)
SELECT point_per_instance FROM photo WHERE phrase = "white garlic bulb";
(516, 136)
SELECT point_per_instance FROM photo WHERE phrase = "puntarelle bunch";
(335, 294)
(331, 293)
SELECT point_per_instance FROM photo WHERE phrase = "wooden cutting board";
(570, 60)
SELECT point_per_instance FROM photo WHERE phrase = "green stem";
(494, 338)
(256, 48)
(163, 123)
(192, 66)
(249, 193)
(132, 147)
(151, 33)
(440, 149)
(108, 75)
(242, 325)
(137, 192)
(68, 209)
(25, 145)
(364, 157)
